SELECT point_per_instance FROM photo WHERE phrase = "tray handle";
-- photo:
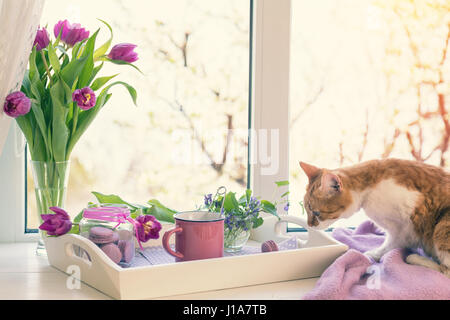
(61, 251)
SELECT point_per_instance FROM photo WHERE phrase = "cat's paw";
(418, 260)
(375, 254)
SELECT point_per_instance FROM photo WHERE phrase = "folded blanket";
(355, 276)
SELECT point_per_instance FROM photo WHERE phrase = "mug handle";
(296, 220)
(315, 237)
(165, 243)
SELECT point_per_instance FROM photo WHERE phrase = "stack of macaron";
(109, 241)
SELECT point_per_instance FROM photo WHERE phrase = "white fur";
(391, 206)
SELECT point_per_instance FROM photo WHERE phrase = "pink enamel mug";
(198, 235)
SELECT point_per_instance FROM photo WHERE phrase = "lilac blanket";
(354, 276)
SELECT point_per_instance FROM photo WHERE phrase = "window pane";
(173, 146)
(366, 76)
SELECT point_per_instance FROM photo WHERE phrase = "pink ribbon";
(113, 214)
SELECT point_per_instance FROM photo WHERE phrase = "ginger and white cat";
(408, 199)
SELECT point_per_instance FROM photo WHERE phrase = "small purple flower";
(85, 98)
(56, 224)
(147, 227)
(208, 199)
(17, 104)
(42, 39)
(123, 52)
(286, 208)
(70, 33)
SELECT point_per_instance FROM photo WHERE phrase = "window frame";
(13, 195)
(270, 105)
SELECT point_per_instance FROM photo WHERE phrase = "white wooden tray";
(310, 260)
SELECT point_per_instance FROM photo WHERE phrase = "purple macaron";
(127, 249)
(268, 246)
(112, 251)
(100, 235)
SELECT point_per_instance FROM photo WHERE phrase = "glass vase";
(235, 239)
(50, 185)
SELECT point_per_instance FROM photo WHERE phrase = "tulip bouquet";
(60, 96)
(61, 93)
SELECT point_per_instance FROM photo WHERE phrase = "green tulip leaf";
(40, 119)
(104, 48)
(24, 124)
(95, 71)
(54, 60)
(34, 72)
(38, 152)
(71, 72)
(60, 131)
(111, 198)
(130, 89)
(88, 68)
(159, 211)
(77, 48)
(101, 81)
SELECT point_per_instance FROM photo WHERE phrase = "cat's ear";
(311, 171)
(331, 183)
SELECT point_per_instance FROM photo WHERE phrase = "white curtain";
(19, 20)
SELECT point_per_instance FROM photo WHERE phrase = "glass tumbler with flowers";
(241, 216)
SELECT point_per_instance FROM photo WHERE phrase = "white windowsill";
(26, 276)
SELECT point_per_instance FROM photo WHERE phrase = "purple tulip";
(64, 25)
(123, 52)
(42, 39)
(70, 33)
(17, 104)
(147, 227)
(85, 98)
(56, 224)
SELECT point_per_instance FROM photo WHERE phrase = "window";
(189, 133)
(367, 81)
(333, 83)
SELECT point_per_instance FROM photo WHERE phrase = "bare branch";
(389, 147)
(307, 105)
(365, 138)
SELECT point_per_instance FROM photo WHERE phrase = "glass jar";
(109, 228)
(235, 239)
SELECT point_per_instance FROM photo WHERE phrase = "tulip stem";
(46, 66)
(75, 118)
